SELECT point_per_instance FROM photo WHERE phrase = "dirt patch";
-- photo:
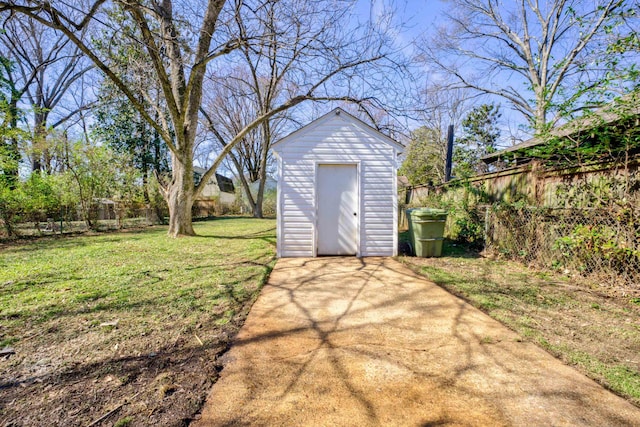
(166, 386)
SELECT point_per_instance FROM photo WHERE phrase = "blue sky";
(416, 15)
(412, 18)
(417, 19)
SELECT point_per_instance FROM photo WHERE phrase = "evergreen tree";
(480, 134)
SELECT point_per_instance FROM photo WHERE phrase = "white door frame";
(358, 202)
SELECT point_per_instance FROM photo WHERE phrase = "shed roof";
(339, 113)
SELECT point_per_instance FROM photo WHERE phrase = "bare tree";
(251, 156)
(291, 38)
(281, 37)
(47, 66)
(287, 33)
(522, 48)
(181, 41)
(441, 107)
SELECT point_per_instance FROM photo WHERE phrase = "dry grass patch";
(124, 328)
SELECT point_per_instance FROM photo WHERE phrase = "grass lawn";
(584, 325)
(124, 328)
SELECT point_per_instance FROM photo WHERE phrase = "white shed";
(337, 191)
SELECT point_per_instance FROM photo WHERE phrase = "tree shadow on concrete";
(434, 352)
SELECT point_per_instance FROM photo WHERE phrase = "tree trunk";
(180, 198)
(264, 155)
(540, 117)
(257, 209)
(39, 141)
(246, 188)
(11, 168)
(540, 122)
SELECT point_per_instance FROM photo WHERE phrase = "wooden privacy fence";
(582, 220)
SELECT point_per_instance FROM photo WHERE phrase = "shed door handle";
(354, 214)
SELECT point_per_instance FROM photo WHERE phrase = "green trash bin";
(426, 231)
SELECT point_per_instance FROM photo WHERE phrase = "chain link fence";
(110, 216)
(70, 222)
(601, 244)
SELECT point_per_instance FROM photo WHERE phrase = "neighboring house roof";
(608, 114)
(224, 184)
(339, 112)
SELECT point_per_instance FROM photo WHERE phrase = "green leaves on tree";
(480, 134)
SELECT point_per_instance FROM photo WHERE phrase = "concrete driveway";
(356, 342)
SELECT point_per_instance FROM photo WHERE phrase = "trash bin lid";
(427, 213)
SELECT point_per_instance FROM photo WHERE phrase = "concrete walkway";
(357, 342)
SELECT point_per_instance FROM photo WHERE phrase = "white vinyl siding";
(337, 139)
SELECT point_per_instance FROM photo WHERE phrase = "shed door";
(337, 209)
